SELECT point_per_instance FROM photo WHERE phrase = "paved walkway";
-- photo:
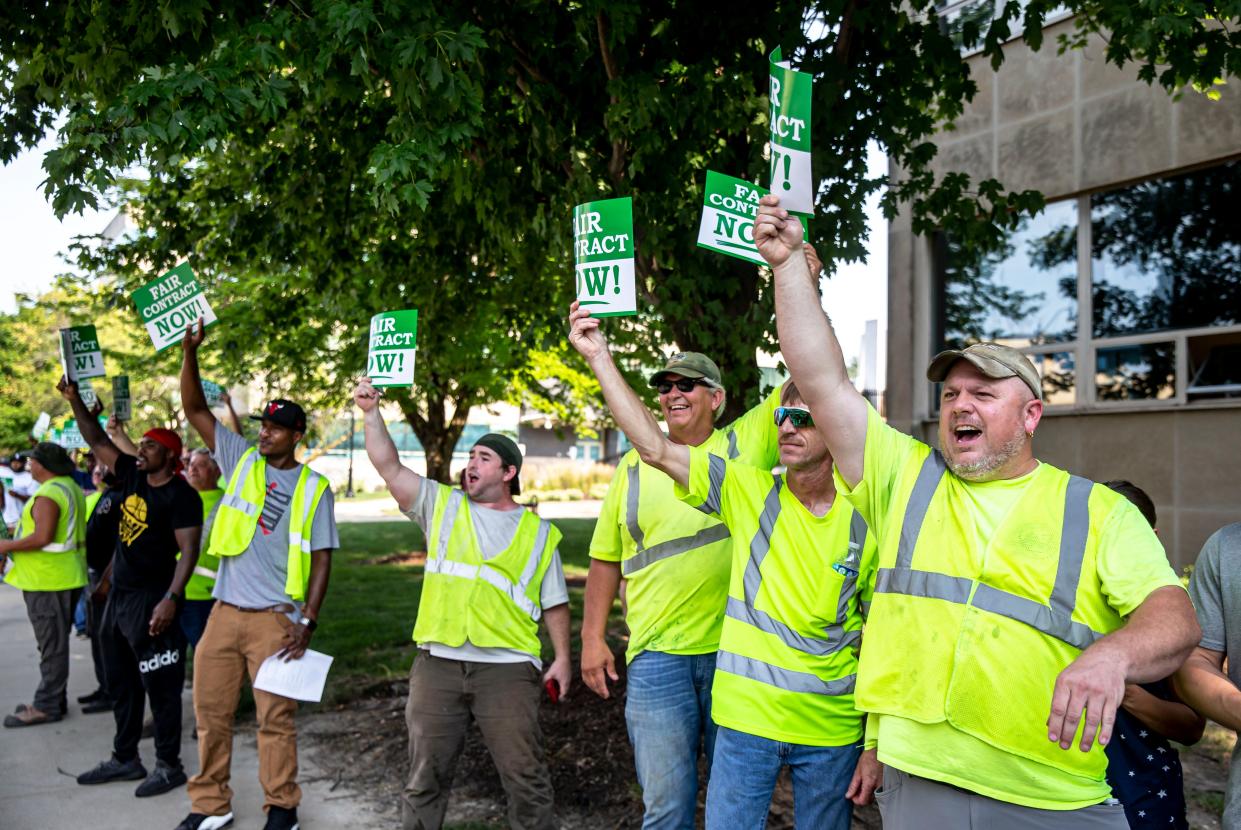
(38, 763)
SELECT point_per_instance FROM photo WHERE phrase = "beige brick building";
(1126, 290)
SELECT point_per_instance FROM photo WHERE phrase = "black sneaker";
(162, 779)
(98, 694)
(99, 704)
(198, 821)
(114, 770)
(281, 818)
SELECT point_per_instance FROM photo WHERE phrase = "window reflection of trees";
(1144, 372)
(1016, 293)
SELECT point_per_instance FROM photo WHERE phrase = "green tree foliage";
(320, 161)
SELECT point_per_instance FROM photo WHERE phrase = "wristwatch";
(170, 595)
(308, 622)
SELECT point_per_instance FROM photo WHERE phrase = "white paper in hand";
(298, 679)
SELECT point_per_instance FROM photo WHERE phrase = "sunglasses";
(799, 417)
(684, 384)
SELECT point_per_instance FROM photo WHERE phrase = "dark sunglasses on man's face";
(799, 417)
(684, 384)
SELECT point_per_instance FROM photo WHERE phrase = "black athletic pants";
(94, 628)
(140, 666)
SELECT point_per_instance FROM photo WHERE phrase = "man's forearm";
(1169, 718)
(557, 618)
(631, 415)
(807, 342)
(380, 448)
(1208, 691)
(193, 401)
(602, 584)
(1158, 637)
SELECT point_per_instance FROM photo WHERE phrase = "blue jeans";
(668, 712)
(193, 618)
(744, 777)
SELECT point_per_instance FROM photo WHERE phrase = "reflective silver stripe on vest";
(745, 611)
(733, 452)
(209, 523)
(857, 541)
(708, 535)
(296, 540)
(1053, 619)
(441, 564)
(207, 572)
(781, 678)
(71, 542)
(242, 473)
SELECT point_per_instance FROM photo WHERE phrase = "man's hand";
(777, 233)
(366, 396)
(867, 776)
(598, 664)
(561, 672)
(163, 615)
(68, 389)
(100, 594)
(1093, 683)
(295, 642)
(584, 333)
(192, 340)
(96, 410)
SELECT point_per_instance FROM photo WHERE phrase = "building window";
(1156, 270)
(1023, 294)
(955, 16)
(1166, 254)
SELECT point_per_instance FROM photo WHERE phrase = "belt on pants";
(283, 608)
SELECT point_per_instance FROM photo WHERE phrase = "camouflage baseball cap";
(993, 360)
(690, 365)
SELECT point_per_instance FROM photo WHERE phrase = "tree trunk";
(437, 432)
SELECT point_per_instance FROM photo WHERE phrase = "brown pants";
(907, 802)
(234, 643)
(503, 699)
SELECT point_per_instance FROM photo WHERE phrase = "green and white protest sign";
(71, 437)
(213, 392)
(603, 257)
(87, 393)
(80, 355)
(121, 407)
(40, 426)
(729, 207)
(169, 304)
(393, 345)
(791, 178)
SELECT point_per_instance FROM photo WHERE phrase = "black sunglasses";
(799, 417)
(684, 384)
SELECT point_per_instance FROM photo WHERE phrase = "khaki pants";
(503, 699)
(908, 802)
(236, 643)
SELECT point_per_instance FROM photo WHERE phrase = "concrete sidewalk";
(38, 763)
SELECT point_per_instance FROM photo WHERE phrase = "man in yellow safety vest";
(273, 533)
(1011, 598)
(493, 571)
(801, 571)
(47, 562)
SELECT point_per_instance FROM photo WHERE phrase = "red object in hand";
(553, 690)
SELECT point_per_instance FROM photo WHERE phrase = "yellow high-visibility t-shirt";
(1131, 564)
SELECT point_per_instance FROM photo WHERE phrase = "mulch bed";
(363, 745)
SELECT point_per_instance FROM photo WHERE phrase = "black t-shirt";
(146, 547)
(101, 529)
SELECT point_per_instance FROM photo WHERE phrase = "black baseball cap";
(283, 413)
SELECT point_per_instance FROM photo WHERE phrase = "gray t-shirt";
(255, 578)
(495, 530)
(1215, 589)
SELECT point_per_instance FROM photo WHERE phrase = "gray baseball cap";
(993, 360)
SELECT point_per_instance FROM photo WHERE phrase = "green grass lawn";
(368, 617)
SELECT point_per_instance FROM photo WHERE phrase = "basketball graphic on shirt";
(133, 519)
